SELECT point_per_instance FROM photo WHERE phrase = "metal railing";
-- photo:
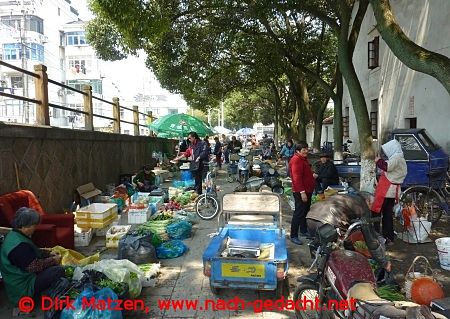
(41, 82)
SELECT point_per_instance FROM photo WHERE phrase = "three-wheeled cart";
(249, 250)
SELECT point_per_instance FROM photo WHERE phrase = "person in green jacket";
(145, 180)
(27, 270)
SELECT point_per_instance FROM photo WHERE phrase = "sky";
(133, 66)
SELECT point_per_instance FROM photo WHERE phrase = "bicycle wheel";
(427, 202)
(207, 206)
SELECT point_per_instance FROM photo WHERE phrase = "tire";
(447, 184)
(216, 291)
(207, 207)
(282, 288)
(309, 291)
(427, 201)
(278, 190)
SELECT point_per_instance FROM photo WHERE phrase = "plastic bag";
(190, 217)
(100, 298)
(137, 248)
(179, 230)
(171, 249)
(72, 257)
(118, 271)
(58, 289)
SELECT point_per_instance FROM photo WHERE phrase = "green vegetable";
(360, 245)
(133, 275)
(390, 292)
(68, 270)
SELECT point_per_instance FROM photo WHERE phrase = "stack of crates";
(96, 215)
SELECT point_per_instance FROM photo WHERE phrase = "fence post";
(116, 115)
(41, 93)
(150, 121)
(88, 108)
(136, 120)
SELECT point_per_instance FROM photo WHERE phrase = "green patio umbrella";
(180, 125)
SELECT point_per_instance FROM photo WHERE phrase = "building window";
(76, 38)
(411, 122)
(374, 117)
(80, 64)
(17, 82)
(78, 84)
(374, 53)
(32, 23)
(346, 122)
(33, 51)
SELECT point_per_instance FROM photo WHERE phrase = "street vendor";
(394, 171)
(145, 180)
(339, 211)
(26, 269)
(326, 173)
(199, 153)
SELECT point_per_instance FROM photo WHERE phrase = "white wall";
(401, 92)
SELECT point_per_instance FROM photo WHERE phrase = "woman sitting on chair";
(26, 269)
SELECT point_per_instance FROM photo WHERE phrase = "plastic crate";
(82, 237)
(112, 240)
(96, 215)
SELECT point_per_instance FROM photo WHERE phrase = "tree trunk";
(337, 119)
(318, 121)
(359, 103)
(411, 54)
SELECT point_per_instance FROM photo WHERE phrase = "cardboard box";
(88, 191)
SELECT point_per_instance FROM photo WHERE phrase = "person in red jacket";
(303, 184)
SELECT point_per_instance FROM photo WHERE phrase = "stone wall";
(53, 162)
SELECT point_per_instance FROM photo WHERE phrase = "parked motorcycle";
(244, 165)
(268, 177)
(343, 286)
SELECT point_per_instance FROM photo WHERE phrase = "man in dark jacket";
(303, 184)
(326, 173)
(340, 211)
(199, 153)
(218, 152)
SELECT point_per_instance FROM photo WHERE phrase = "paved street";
(182, 278)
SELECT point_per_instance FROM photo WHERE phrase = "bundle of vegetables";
(184, 198)
(158, 225)
(68, 270)
(391, 293)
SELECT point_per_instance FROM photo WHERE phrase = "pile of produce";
(172, 205)
(158, 225)
(390, 292)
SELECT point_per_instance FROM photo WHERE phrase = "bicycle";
(206, 205)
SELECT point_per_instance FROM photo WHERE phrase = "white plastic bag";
(116, 270)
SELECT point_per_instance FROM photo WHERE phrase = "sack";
(72, 257)
(137, 249)
(179, 230)
(194, 166)
(171, 249)
(58, 289)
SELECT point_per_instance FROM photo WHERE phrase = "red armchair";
(53, 230)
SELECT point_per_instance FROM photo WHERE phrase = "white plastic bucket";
(419, 229)
(443, 248)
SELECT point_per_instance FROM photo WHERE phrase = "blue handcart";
(249, 250)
